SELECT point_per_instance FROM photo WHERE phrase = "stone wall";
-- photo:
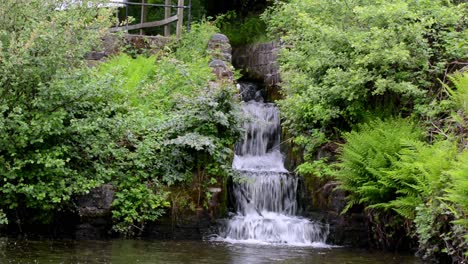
(258, 62)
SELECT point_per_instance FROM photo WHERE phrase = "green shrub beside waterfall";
(369, 154)
(143, 124)
(356, 65)
(407, 186)
(55, 121)
(344, 61)
(386, 166)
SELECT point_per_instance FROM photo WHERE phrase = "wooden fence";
(168, 19)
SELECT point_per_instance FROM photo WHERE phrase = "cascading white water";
(266, 197)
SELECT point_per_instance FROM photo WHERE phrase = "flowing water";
(266, 196)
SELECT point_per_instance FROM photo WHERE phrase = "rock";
(95, 213)
(113, 43)
(324, 204)
(221, 69)
(97, 203)
(259, 62)
(218, 64)
(251, 91)
(152, 43)
(220, 48)
(219, 38)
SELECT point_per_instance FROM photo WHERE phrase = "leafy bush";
(459, 95)
(457, 192)
(241, 31)
(387, 168)
(132, 73)
(55, 122)
(190, 145)
(440, 220)
(141, 124)
(178, 130)
(344, 59)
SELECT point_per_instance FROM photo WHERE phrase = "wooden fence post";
(180, 18)
(167, 14)
(143, 16)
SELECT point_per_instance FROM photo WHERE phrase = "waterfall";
(266, 195)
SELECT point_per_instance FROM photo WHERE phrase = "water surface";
(197, 252)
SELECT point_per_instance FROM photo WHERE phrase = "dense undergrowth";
(143, 124)
(387, 79)
(242, 30)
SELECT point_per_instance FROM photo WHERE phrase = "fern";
(457, 192)
(367, 156)
(459, 95)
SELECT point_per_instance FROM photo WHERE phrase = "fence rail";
(168, 19)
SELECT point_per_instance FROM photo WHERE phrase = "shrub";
(177, 131)
(405, 182)
(55, 120)
(242, 31)
(344, 59)
(142, 124)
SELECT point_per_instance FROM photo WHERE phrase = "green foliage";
(176, 126)
(133, 73)
(3, 218)
(55, 122)
(367, 156)
(139, 123)
(437, 235)
(346, 62)
(386, 167)
(343, 59)
(196, 136)
(457, 192)
(420, 173)
(241, 31)
(459, 95)
(319, 168)
(193, 45)
(137, 202)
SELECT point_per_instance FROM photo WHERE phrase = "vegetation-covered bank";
(388, 77)
(144, 124)
(386, 80)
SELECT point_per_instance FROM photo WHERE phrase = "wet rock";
(251, 91)
(193, 226)
(95, 213)
(259, 62)
(97, 203)
(325, 203)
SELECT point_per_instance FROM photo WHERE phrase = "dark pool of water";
(147, 251)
